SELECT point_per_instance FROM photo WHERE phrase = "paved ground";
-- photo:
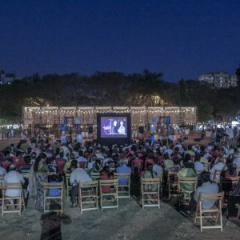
(129, 222)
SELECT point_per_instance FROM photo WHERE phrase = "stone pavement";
(129, 222)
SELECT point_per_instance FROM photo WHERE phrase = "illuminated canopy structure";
(140, 116)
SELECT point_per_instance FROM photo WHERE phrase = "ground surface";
(129, 222)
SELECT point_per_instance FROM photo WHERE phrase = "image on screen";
(113, 127)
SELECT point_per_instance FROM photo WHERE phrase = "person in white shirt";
(198, 166)
(78, 175)
(2, 173)
(236, 158)
(218, 166)
(206, 187)
(13, 177)
(81, 158)
(2, 170)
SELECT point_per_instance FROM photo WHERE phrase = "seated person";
(149, 173)
(218, 166)
(206, 187)
(13, 177)
(106, 174)
(167, 163)
(77, 175)
(157, 167)
(231, 171)
(123, 169)
(97, 167)
(2, 172)
(233, 199)
(187, 171)
(57, 191)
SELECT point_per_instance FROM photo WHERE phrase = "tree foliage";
(116, 89)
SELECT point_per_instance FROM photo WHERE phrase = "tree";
(238, 76)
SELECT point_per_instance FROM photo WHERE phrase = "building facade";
(6, 78)
(140, 116)
(219, 79)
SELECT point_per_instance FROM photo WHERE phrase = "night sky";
(180, 38)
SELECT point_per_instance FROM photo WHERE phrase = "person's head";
(27, 159)
(73, 166)
(12, 167)
(121, 123)
(205, 177)
(189, 147)
(29, 150)
(166, 156)
(221, 160)
(187, 157)
(189, 165)
(53, 178)
(61, 154)
(106, 171)
(6, 153)
(41, 158)
(114, 123)
(123, 162)
(74, 162)
(232, 168)
(33, 155)
(176, 149)
(150, 167)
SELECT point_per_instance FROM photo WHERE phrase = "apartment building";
(219, 79)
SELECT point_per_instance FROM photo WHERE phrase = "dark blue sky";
(180, 38)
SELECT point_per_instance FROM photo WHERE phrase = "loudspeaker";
(90, 129)
(141, 129)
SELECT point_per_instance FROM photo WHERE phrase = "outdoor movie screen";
(113, 127)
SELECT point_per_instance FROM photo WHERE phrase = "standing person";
(38, 176)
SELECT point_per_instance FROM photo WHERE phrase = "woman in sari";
(38, 176)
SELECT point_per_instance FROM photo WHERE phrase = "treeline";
(117, 89)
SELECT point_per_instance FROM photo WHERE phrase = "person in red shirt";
(106, 174)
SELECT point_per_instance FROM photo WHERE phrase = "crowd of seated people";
(143, 159)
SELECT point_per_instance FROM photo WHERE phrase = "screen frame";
(118, 139)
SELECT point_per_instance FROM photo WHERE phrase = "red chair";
(6, 164)
(148, 161)
(137, 166)
(18, 162)
(60, 165)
